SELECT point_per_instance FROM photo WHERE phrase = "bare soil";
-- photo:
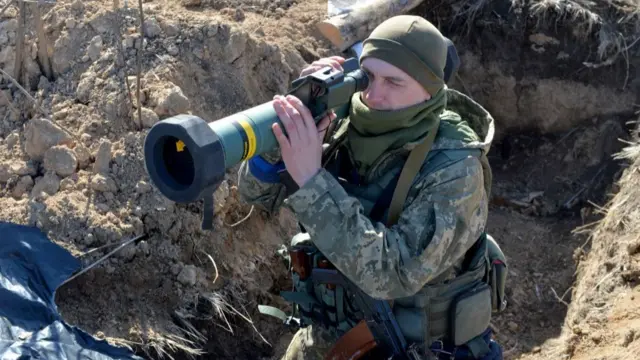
(560, 81)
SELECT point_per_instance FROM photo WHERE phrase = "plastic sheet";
(31, 269)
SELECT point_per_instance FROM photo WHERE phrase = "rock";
(5, 97)
(172, 102)
(171, 29)
(191, 2)
(220, 197)
(172, 49)
(61, 159)
(12, 140)
(78, 6)
(103, 183)
(9, 25)
(4, 38)
(22, 168)
(152, 28)
(115, 105)
(7, 57)
(83, 155)
(127, 253)
(83, 91)
(40, 135)
(512, 326)
(175, 269)
(103, 157)
(70, 23)
(24, 185)
(43, 84)
(627, 338)
(236, 46)
(5, 172)
(129, 41)
(143, 248)
(101, 24)
(102, 208)
(212, 30)
(63, 57)
(95, 48)
(149, 117)
(188, 275)
(239, 15)
(85, 138)
(49, 183)
(142, 187)
(139, 42)
(89, 239)
(67, 184)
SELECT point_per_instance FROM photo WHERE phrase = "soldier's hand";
(302, 146)
(333, 61)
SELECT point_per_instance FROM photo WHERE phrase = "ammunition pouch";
(455, 311)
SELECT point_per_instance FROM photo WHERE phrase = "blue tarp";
(31, 269)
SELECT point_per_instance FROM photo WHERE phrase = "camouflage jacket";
(444, 214)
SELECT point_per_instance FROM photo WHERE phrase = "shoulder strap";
(409, 172)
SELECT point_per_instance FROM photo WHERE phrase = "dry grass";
(613, 24)
(161, 346)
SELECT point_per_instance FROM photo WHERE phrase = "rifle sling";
(395, 193)
(411, 168)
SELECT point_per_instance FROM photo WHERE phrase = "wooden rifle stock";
(353, 345)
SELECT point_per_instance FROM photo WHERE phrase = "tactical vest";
(454, 310)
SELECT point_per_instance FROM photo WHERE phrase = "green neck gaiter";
(371, 132)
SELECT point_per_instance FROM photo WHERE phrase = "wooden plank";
(345, 30)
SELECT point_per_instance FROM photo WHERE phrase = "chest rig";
(454, 310)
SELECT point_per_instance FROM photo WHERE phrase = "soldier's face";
(389, 87)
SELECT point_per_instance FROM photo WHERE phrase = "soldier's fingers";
(284, 143)
(301, 134)
(307, 118)
(339, 59)
(309, 70)
(328, 62)
(289, 124)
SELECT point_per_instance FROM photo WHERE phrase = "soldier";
(428, 254)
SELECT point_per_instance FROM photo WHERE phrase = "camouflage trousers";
(310, 343)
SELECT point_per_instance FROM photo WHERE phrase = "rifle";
(378, 331)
